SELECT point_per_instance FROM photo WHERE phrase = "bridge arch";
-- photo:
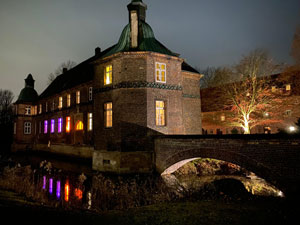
(175, 161)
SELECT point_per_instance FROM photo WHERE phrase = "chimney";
(137, 14)
(97, 51)
(65, 70)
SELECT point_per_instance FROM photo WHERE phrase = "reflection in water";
(67, 189)
(44, 182)
(51, 186)
(62, 190)
(78, 193)
(58, 189)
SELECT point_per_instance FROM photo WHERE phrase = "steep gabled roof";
(81, 73)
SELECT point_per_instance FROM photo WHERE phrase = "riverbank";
(15, 209)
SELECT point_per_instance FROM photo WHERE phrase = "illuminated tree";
(214, 77)
(65, 65)
(295, 51)
(250, 99)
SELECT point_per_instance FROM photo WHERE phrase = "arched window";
(79, 125)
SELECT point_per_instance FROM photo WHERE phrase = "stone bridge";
(273, 158)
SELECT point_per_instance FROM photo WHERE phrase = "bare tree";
(214, 77)
(295, 50)
(6, 98)
(65, 65)
(251, 96)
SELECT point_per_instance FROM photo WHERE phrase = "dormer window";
(108, 75)
(288, 87)
(160, 72)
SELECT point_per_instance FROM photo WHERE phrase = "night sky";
(36, 36)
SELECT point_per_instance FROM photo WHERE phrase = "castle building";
(110, 106)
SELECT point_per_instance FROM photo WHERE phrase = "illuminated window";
(60, 102)
(90, 121)
(68, 124)
(68, 100)
(77, 97)
(223, 118)
(28, 110)
(52, 126)
(160, 72)
(288, 87)
(45, 126)
(160, 113)
(273, 89)
(108, 75)
(27, 128)
(108, 114)
(90, 93)
(59, 125)
(40, 109)
(79, 125)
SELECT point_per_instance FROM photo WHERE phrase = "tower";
(25, 110)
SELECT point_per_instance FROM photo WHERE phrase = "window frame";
(160, 72)
(27, 128)
(164, 124)
(90, 94)
(45, 126)
(78, 97)
(109, 73)
(59, 125)
(68, 100)
(28, 110)
(68, 124)
(106, 125)
(60, 102)
(90, 121)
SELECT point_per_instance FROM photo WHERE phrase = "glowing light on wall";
(78, 193)
(44, 182)
(58, 189)
(292, 129)
(59, 127)
(51, 186)
(67, 190)
(45, 126)
(68, 124)
(52, 126)
(79, 125)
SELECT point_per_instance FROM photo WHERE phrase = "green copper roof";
(27, 94)
(147, 42)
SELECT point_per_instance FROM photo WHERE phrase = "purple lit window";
(44, 182)
(58, 189)
(52, 126)
(50, 185)
(45, 126)
(59, 125)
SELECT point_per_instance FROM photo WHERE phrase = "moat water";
(71, 183)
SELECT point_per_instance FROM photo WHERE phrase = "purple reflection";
(50, 185)
(58, 189)
(44, 182)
